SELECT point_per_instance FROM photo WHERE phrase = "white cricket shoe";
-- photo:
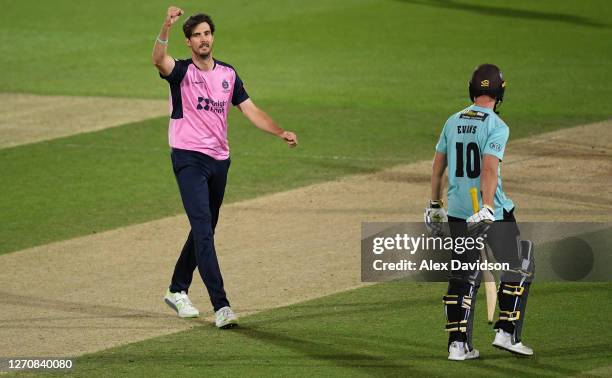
(180, 303)
(225, 318)
(503, 340)
(458, 351)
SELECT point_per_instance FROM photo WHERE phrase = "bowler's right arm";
(161, 60)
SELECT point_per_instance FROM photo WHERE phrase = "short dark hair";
(196, 20)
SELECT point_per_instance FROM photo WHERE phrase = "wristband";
(436, 204)
(162, 41)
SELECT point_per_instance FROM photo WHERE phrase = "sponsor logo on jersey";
(211, 105)
(472, 114)
(496, 146)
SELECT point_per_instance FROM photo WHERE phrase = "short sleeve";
(239, 95)
(441, 145)
(178, 72)
(496, 141)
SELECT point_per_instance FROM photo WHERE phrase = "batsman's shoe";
(503, 340)
(225, 318)
(458, 351)
(180, 303)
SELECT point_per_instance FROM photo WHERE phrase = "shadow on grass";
(397, 352)
(350, 335)
(399, 355)
(339, 352)
(509, 12)
(310, 312)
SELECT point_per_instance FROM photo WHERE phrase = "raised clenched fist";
(173, 14)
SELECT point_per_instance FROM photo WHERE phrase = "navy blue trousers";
(201, 181)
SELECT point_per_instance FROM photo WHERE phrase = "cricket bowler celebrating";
(472, 146)
(201, 92)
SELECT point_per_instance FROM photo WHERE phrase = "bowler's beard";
(205, 56)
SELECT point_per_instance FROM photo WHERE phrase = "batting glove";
(480, 222)
(435, 218)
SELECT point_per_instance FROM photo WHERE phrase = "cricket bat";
(490, 289)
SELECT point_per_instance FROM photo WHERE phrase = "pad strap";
(460, 326)
(451, 299)
(512, 290)
(510, 316)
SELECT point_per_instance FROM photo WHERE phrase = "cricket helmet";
(487, 79)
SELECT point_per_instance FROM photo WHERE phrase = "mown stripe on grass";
(28, 118)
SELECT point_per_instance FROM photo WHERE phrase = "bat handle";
(474, 196)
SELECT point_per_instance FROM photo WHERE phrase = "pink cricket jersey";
(200, 101)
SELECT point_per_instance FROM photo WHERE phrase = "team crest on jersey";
(225, 85)
(471, 114)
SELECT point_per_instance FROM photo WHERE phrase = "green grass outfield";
(370, 82)
(391, 329)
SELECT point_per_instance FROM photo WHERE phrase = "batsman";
(471, 146)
